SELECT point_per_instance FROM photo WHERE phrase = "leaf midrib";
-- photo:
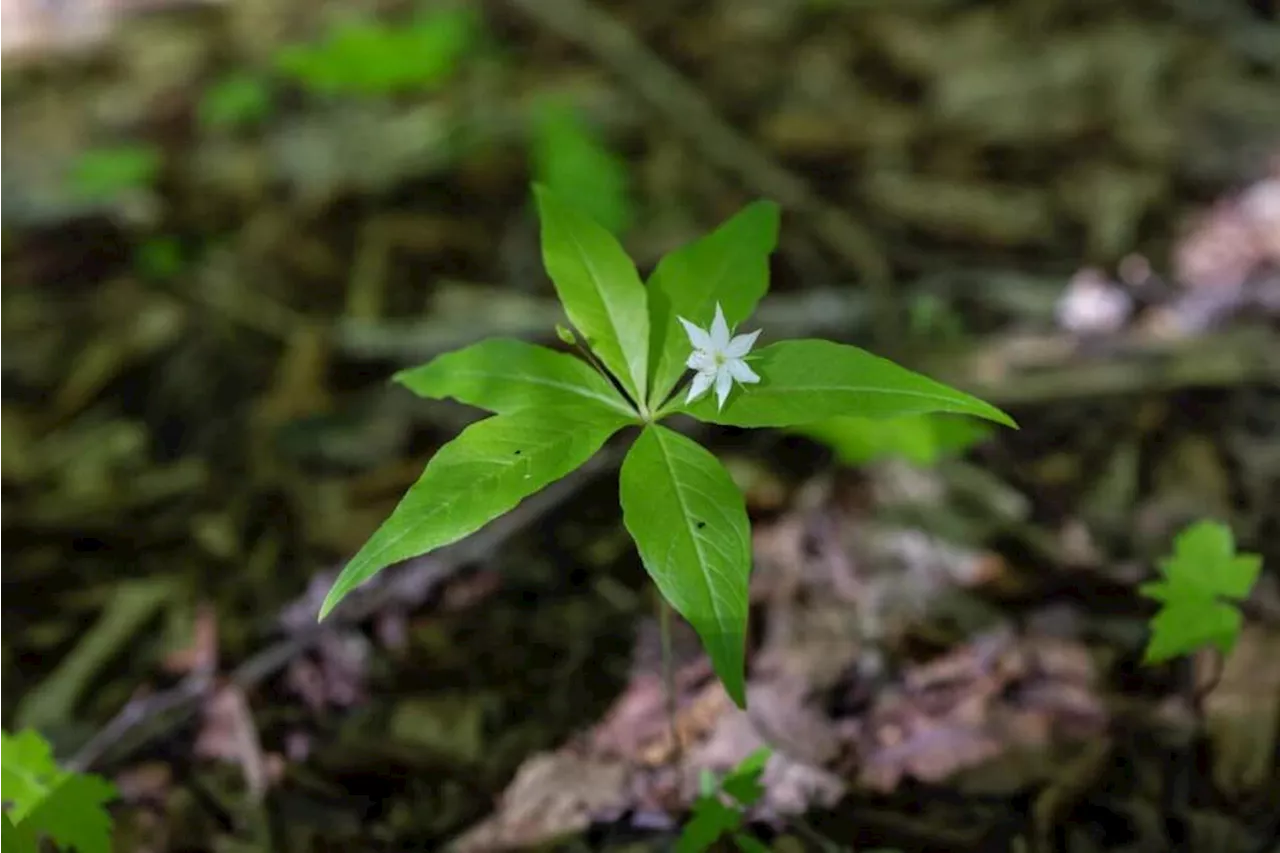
(687, 518)
(560, 436)
(614, 403)
(603, 293)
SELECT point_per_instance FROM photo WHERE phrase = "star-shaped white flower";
(718, 359)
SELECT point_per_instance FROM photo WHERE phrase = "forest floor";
(221, 241)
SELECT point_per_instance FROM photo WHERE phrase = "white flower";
(717, 359)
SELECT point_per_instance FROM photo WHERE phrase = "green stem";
(636, 406)
(669, 680)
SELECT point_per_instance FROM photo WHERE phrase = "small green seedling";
(102, 174)
(1202, 582)
(360, 57)
(41, 800)
(553, 411)
(720, 809)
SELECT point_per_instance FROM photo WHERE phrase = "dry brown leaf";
(553, 795)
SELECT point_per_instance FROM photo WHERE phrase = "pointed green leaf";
(690, 524)
(573, 161)
(804, 381)
(729, 266)
(506, 375)
(599, 288)
(484, 472)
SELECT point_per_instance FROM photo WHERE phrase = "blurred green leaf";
(371, 58)
(571, 160)
(919, 439)
(101, 174)
(236, 100)
(1202, 581)
(159, 258)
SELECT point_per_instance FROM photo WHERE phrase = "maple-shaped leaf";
(27, 772)
(44, 800)
(73, 815)
(1202, 580)
(15, 839)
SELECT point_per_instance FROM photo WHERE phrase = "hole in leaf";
(701, 524)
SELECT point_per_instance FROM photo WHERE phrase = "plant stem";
(669, 680)
(637, 405)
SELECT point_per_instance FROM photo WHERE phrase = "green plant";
(553, 411)
(236, 100)
(1202, 581)
(919, 439)
(571, 160)
(363, 57)
(101, 174)
(43, 800)
(721, 807)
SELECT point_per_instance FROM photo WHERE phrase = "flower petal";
(701, 382)
(724, 383)
(699, 338)
(719, 331)
(701, 360)
(741, 345)
(741, 372)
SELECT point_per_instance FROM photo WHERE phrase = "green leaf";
(73, 814)
(506, 375)
(102, 173)
(236, 100)
(573, 162)
(690, 524)
(711, 820)
(919, 439)
(372, 58)
(1203, 570)
(484, 472)
(47, 800)
(599, 288)
(743, 782)
(1181, 627)
(16, 839)
(730, 266)
(27, 771)
(750, 844)
(804, 381)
